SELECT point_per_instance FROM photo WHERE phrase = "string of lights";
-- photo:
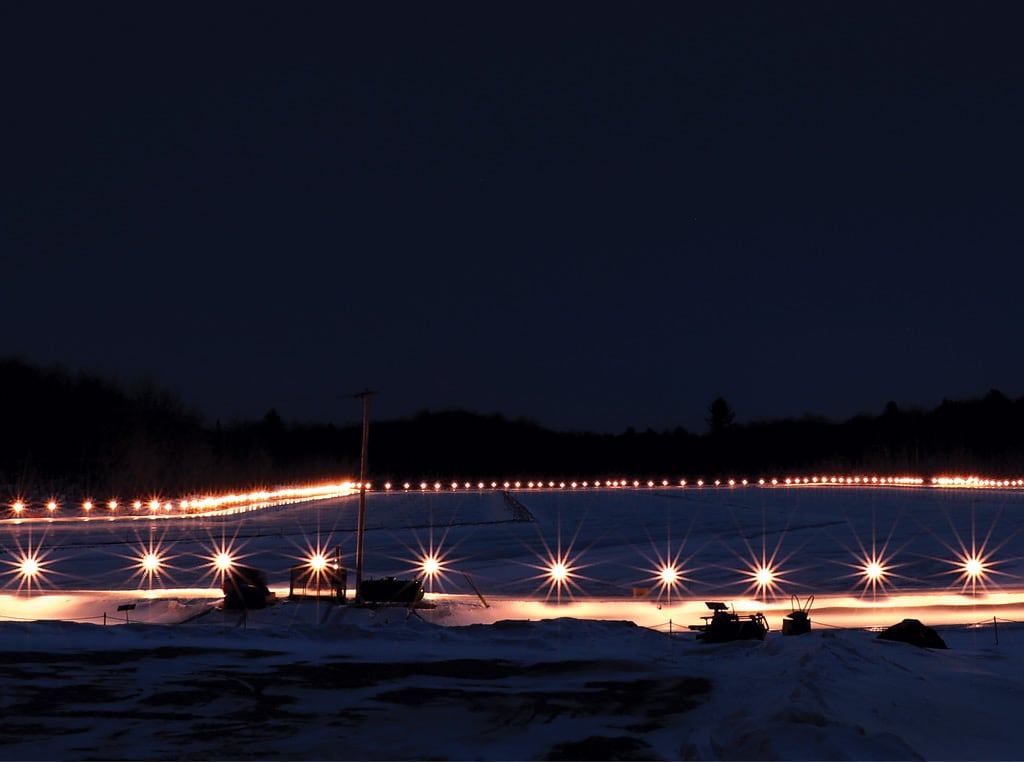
(559, 568)
(234, 503)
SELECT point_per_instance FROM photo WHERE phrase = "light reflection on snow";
(829, 610)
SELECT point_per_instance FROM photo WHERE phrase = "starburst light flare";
(432, 560)
(668, 570)
(873, 572)
(322, 563)
(762, 569)
(872, 565)
(30, 565)
(221, 557)
(318, 562)
(559, 568)
(974, 563)
(223, 561)
(151, 561)
(560, 575)
(432, 566)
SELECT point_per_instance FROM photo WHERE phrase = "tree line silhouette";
(77, 434)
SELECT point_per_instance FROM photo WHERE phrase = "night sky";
(593, 215)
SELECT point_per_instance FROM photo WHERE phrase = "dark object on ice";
(245, 587)
(913, 632)
(798, 621)
(725, 625)
(391, 590)
(601, 747)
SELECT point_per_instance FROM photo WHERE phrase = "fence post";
(995, 626)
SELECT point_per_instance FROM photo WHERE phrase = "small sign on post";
(126, 607)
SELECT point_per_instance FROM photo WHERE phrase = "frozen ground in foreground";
(525, 679)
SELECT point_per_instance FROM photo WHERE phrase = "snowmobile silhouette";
(724, 625)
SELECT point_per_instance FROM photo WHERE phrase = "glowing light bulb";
(318, 562)
(974, 567)
(669, 575)
(431, 566)
(223, 561)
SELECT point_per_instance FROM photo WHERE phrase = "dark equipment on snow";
(306, 582)
(391, 590)
(913, 632)
(798, 621)
(724, 625)
(245, 587)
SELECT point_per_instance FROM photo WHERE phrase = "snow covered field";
(600, 666)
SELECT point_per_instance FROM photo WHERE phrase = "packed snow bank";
(348, 683)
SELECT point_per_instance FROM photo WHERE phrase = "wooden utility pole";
(361, 522)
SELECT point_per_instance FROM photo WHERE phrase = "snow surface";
(588, 672)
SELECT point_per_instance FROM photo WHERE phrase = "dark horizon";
(103, 439)
(152, 385)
